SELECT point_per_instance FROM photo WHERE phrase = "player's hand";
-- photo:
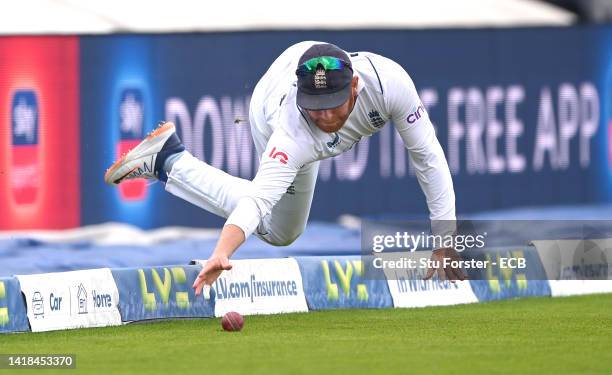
(448, 273)
(210, 272)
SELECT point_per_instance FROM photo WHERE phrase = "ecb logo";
(131, 131)
(24, 141)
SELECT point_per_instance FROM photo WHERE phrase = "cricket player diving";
(314, 102)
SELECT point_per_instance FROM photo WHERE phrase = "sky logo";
(25, 125)
(131, 132)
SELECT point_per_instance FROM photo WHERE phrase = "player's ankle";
(169, 163)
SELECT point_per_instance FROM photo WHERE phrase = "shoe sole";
(169, 126)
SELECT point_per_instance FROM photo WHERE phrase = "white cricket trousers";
(218, 192)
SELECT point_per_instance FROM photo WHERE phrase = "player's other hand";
(210, 272)
(448, 272)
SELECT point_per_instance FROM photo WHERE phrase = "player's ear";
(354, 83)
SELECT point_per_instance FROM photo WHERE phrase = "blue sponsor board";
(339, 282)
(160, 292)
(13, 317)
(605, 141)
(512, 272)
(117, 106)
(514, 123)
(136, 86)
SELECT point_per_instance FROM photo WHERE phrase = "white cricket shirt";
(385, 93)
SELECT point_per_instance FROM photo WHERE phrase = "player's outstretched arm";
(277, 170)
(231, 238)
(418, 134)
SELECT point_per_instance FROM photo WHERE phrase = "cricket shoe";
(147, 159)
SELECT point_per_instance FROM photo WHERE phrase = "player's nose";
(322, 115)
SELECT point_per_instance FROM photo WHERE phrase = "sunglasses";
(327, 62)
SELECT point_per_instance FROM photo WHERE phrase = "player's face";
(331, 120)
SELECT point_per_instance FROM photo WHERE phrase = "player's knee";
(285, 239)
(292, 239)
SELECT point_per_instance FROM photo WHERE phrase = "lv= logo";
(4, 313)
(344, 276)
(163, 288)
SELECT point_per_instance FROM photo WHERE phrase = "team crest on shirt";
(375, 119)
(320, 80)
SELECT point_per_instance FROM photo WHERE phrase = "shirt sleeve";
(278, 167)
(417, 132)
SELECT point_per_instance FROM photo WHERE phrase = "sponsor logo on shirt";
(281, 156)
(414, 116)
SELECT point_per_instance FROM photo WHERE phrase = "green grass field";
(530, 336)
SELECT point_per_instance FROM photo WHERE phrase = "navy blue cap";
(324, 89)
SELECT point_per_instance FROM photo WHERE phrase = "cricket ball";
(232, 321)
